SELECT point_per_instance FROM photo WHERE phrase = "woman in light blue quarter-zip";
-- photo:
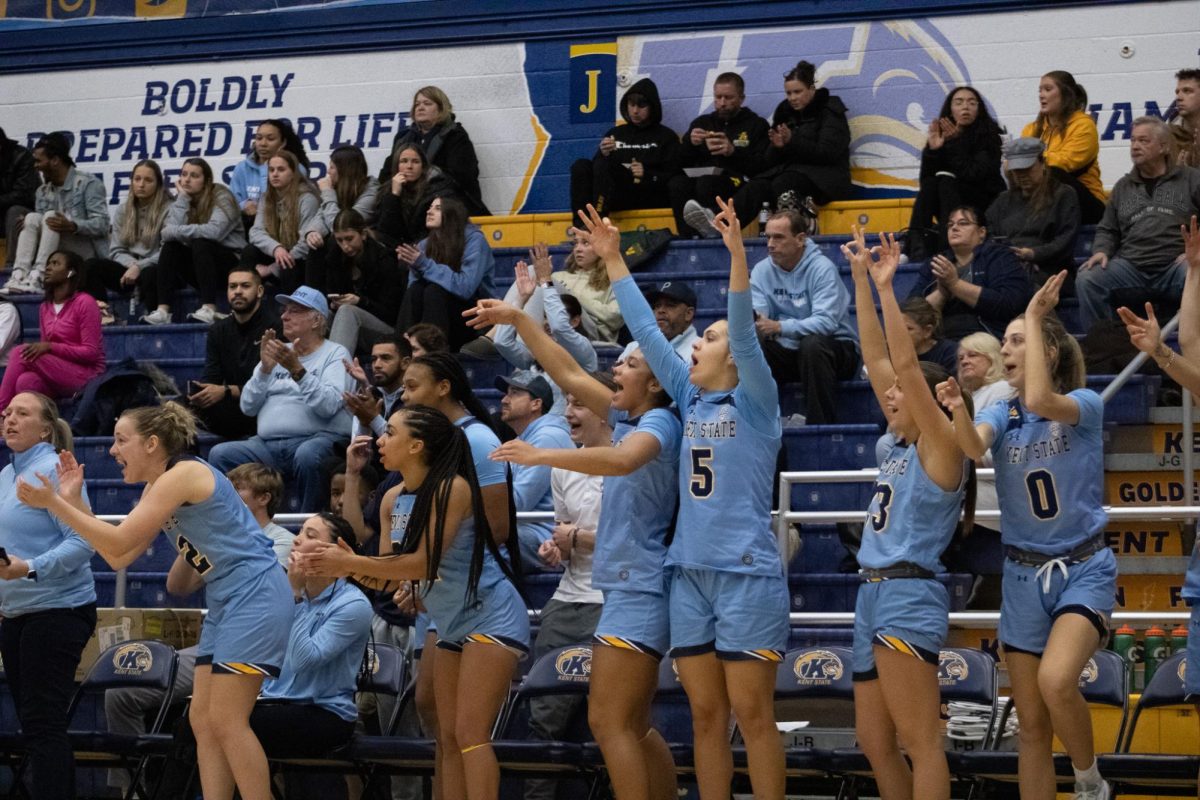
(47, 595)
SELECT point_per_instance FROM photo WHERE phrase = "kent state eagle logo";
(818, 668)
(372, 661)
(952, 668)
(1182, 671)
(574, 664)
(1089, 674)
(132, 659)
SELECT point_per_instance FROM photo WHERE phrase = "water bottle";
(133, 304)
(763, 215)
(1179, 638)
(1155, 652)
(1122, 644)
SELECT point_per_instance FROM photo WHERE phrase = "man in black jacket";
(729, 144)
(635, 161)
(232, 353)
(18, 181)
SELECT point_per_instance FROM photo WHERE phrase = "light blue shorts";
(422, 626)
(638, 621)
(1027, 612)
(498, 616)
(910, 615)
(248, 633)
(741, 617)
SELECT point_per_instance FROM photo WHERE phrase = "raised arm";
(1041, 396)
(974, 440)
(357, 455)
(870, 332)
(636, 450)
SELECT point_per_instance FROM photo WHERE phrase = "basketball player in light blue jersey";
(902, 613)
(445, 540)
(728, 593)
(636, 513)
(1060, 576)
(245, 634)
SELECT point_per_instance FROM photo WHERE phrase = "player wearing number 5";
(901, 616)
(245, 634)
(1059, 575)
(728, 595)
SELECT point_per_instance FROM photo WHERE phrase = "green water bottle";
(1122, 643)
(1179, 639)
(1155, 652)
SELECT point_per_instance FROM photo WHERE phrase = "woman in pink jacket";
(71, 350)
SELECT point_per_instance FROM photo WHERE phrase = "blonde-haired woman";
(290, 211)
(446, 144)
(136, 239)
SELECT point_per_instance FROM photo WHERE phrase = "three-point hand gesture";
(884, 268)
(488, 312)
(858, 254)
(949, 394)
(1145, 334)
(727, 224)
(601, 232)
(1046, 297)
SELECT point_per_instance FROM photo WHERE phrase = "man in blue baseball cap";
(296, 394)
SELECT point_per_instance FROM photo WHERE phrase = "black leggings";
(201, 262)
(1091, 208)
(425, 301)
(289, 279)
(302, 730)
(41, 651)
(101, 275)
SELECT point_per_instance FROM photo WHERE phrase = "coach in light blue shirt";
(802, 312)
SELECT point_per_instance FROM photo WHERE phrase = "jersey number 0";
(1043, 495)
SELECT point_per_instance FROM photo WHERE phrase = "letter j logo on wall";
(593, 81)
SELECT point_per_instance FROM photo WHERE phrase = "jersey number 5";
(1043, 496)
(882, 502)
(703, 478)
(197, 560)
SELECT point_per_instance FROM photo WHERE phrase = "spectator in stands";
(563, 321)
(924, 323)
(1185, 123)
(809, 154)
(70, 213)
(363, 282)
(1136, 246)
(960, 165)
(424, 339)
(296, 394)
(10, 328)
(338, 497)
(448, 271)
(1072, 141)
(570, 616)
(136, 238)
(290, 210)
(309, 709)
(730, 144)
(377, 399)
(525, 407)
(202, 239)
(584, 277)
(47, 595)
(18, 182)
(249, 181)
(674, 306)
(978, 284)
(802, 312)
(404, 200)
(346, 187)
(231, 353)
(70, 351)
(1038, 217)
(445, 143)
(635, 161)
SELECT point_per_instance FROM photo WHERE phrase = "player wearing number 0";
(636, 512)
(245, 634)
(902, 612)
(728, 593)
(1059, 575)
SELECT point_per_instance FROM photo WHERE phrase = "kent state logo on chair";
(574, 664)
(133, 658)
(1182, 671)
(952, 668)
(1089, 674)
(372, 660)
(820, 667)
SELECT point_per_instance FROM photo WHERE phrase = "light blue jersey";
(730, 443)
(220, 539)
(483, 441)
(1049, 475)
(911, 519)
(636, 510)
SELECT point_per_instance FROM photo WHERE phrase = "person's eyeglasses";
(961, 223)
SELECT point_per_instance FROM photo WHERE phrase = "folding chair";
(1103, 681)
(964, 674)
(1154, 773)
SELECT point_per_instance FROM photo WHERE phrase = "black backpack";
(124, 385)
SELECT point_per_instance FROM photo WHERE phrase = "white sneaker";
(157, 317)
(33, 283)
(206, 315)
(700, 219)
(1096, 791)
(15, 283)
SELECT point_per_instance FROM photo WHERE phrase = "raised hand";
(516, 452)
(1191, 243)
(883, 269)
(488, 312)
(858, 254)
(355, 370)
(949, 394)
(36, 496)
(70, 476)
(358, 454)
(726, 223)
(266, 350)
(526, 285)
(604, 236)
(1046, 297)
(1145, 334)
(543, 267)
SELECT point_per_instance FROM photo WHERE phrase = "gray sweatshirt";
(310, 220)
(1143, 227)
(222, 228)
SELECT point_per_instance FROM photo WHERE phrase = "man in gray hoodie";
(1137, 244)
